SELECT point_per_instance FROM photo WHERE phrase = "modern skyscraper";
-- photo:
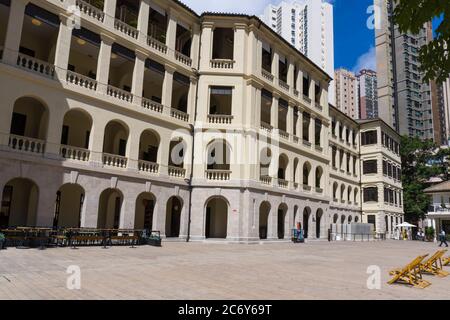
(347, 93)
(368, 96)
(444, 105)
(404, 100)
(307, 25)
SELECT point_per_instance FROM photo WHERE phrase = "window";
(370, 166)
(306, 121)
(371, 194)
(318, 131)
(369, 137)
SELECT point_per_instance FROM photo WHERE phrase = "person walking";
(443, 238)
(2, 241)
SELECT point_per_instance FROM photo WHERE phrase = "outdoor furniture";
(154, 239)
(434, 265)
(410, 274)
(446, 261)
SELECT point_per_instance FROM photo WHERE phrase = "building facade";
(143, 114)
(438, 215)
(347, 94)
(404, 100)
(368, 94)
(443, 97)
(308, 26)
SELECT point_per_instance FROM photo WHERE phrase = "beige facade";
(347, 95)
(120, 123)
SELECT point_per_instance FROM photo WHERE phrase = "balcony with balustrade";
(223, 49)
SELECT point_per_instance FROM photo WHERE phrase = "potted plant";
(429, 233)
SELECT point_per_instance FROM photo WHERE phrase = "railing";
(266, 127)
(74, 153)
(283, 134)
(183, 58)
(220, 118)
(35, 65)
(306, 143)
(119, 94)
(306, 98)
(180, 115)
(90, 10)
(126, 29)
(439, 209)
(296, 92)
(296, 185)
(221, 175)
(81, 80)
(222, 64)
(177, 172)
(318, 106)
(283, 85)
(295, 138)
(114, 160)
(152, 105)
(306, 187)
(266, 180)
(266, 74)
(319, 190)
(157, 45)
(26, 144)
(283, 183)
(147, 166)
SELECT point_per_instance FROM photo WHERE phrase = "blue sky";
(353, 41)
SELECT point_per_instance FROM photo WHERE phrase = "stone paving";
(316, 270)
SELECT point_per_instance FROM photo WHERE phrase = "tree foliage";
(419, 163)
(411, 15)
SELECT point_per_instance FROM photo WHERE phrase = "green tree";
(411, 15)
(418, 165)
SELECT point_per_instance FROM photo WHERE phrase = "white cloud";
(366, 61)
(251, 7)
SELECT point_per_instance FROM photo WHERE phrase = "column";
(195, 46)
(109, 8)
(258, 56)
(192, 98)
(239, 47)
(14, 31)
(206, 45)
(63, 47)
(300, 124)
(276, 65)
(299, 83)
(312, 91)
(137, 85)
(143, 17)
(167, 88)
(96, 142)
(171, 35)
(274, 111)
(257, 118)
(253, 50)
(132, 151)
(312, 127)
(290, 75)
(104, 59)
(290, 121)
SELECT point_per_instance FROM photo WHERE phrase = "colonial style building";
(143, 114)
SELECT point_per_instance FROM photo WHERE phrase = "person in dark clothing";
(2, 241)
(443, 238)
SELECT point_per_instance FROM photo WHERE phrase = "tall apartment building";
(444, 98)
(368, 94)
(347, 94)
(184, 123)
(308, 26)
(404, 100)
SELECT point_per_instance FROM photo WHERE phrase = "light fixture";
(113, 56)
(81, 42)
(36, 22)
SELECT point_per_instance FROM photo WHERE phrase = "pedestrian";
(443, 238)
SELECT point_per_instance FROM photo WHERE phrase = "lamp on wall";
(36, 22)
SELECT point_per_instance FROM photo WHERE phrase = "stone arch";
(216, 217)
(20, 200)
(69, 206)
(145, 211)
(174, 209)
(110, 209)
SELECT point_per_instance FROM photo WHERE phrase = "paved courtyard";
(316, 270)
